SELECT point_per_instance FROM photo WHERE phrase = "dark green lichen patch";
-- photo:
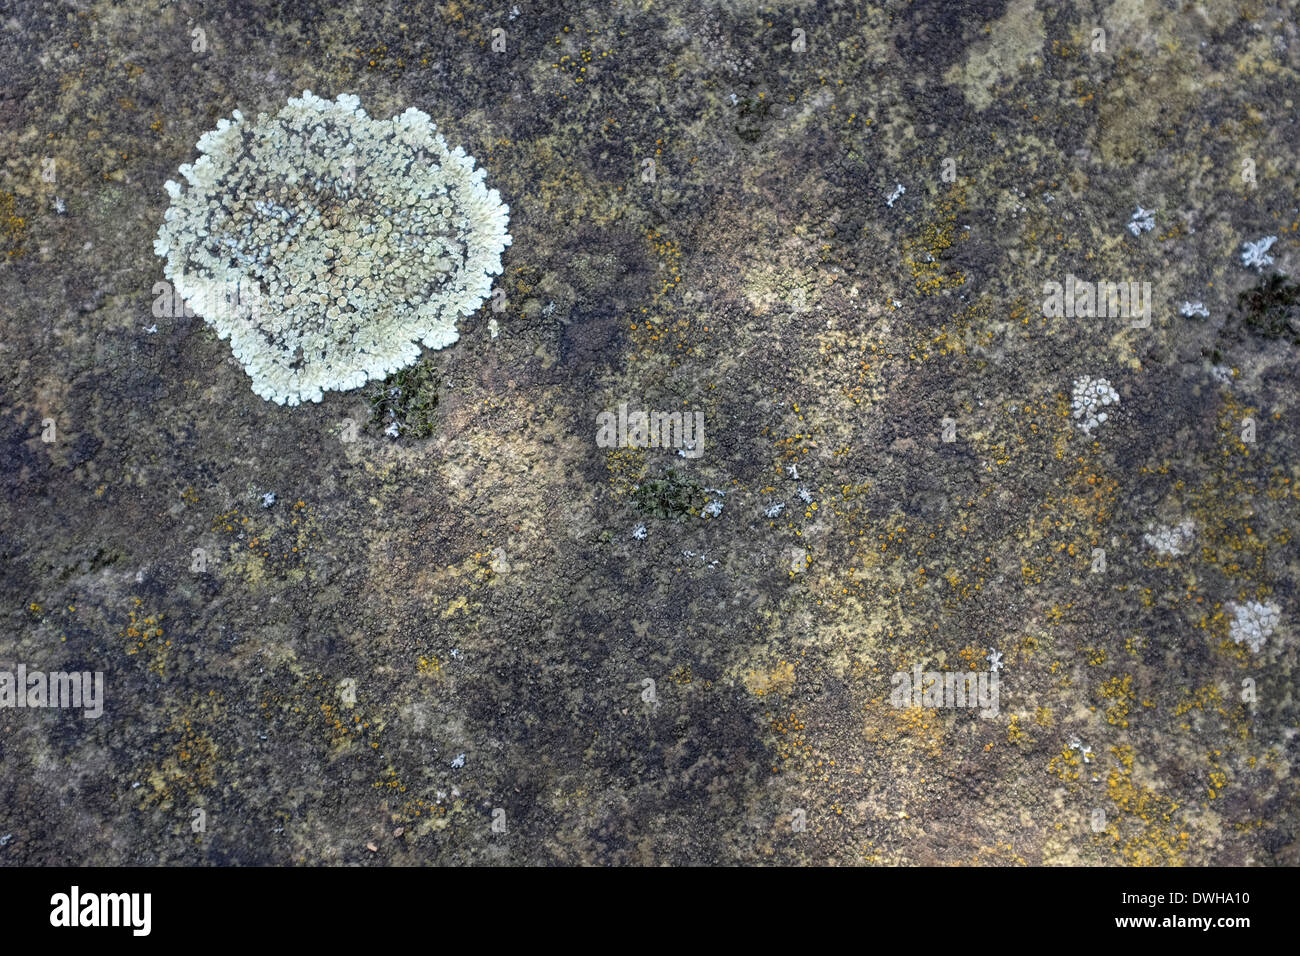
(1272, 308)
(673, 496)
(407, 399)
(752, 117)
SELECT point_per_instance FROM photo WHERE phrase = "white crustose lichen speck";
(1090, 396)
(327, 245)
(1253, 623)
(1172, 540)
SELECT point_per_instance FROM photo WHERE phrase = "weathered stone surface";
(678, 693)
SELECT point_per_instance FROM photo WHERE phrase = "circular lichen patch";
(328, 246)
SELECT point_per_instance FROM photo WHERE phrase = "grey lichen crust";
(327, 245)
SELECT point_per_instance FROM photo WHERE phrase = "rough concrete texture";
(310, 674)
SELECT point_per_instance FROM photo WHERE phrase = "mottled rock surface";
(450, 613)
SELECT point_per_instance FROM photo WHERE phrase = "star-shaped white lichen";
(1141, 221)
(1255, 254)
(327, 246)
